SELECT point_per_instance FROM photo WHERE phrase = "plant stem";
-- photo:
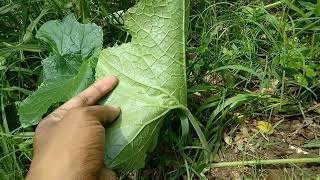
(266, 162)
(272, 5)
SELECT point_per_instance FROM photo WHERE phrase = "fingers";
(86, 98)
(92, 94)
(104, 114)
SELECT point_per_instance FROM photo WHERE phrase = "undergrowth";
(245, 60)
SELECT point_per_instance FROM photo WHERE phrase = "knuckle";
(44, 123)
(98, 89)
(74, 111)
(83, 113)
(77, 111)
(61, 110)
(54, 116)
(83, 99)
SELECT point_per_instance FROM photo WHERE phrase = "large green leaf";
(70, 68)
(152, 73)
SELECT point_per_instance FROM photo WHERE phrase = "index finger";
(92, 94)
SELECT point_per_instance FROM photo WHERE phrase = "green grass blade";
(295, 8)
(28, 35)
(7, 8)
(184, 124)
(266, 162)
(239, 67)
(197, 128)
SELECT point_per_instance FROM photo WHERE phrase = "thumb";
(107, 174)
(104, 114)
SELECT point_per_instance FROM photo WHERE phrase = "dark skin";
(69, 142)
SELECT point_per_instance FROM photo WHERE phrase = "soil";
(286, 141)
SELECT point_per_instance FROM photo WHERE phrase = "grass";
(246, 60)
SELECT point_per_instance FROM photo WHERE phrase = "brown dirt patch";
(286, 141)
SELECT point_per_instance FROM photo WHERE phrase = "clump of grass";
(245, 59)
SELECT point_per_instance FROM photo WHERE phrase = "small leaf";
(301, 80)
(26, 147)
(69, 69)
(309, 72)
(265, 127)
(227, 139)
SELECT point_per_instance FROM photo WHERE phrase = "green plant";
(151, 68)
(245, 60)
(21, 71)
(70, 68)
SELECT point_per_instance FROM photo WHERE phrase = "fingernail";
(107, 78)
(116, 111)
(116, 108)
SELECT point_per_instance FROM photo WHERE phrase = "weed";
(246, 60)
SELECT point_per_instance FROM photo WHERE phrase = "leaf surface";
(70, 68)
(152, 73)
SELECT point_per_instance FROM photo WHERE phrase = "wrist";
(42, 171)
(52, 171)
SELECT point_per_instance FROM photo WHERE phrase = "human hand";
(69, 142)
